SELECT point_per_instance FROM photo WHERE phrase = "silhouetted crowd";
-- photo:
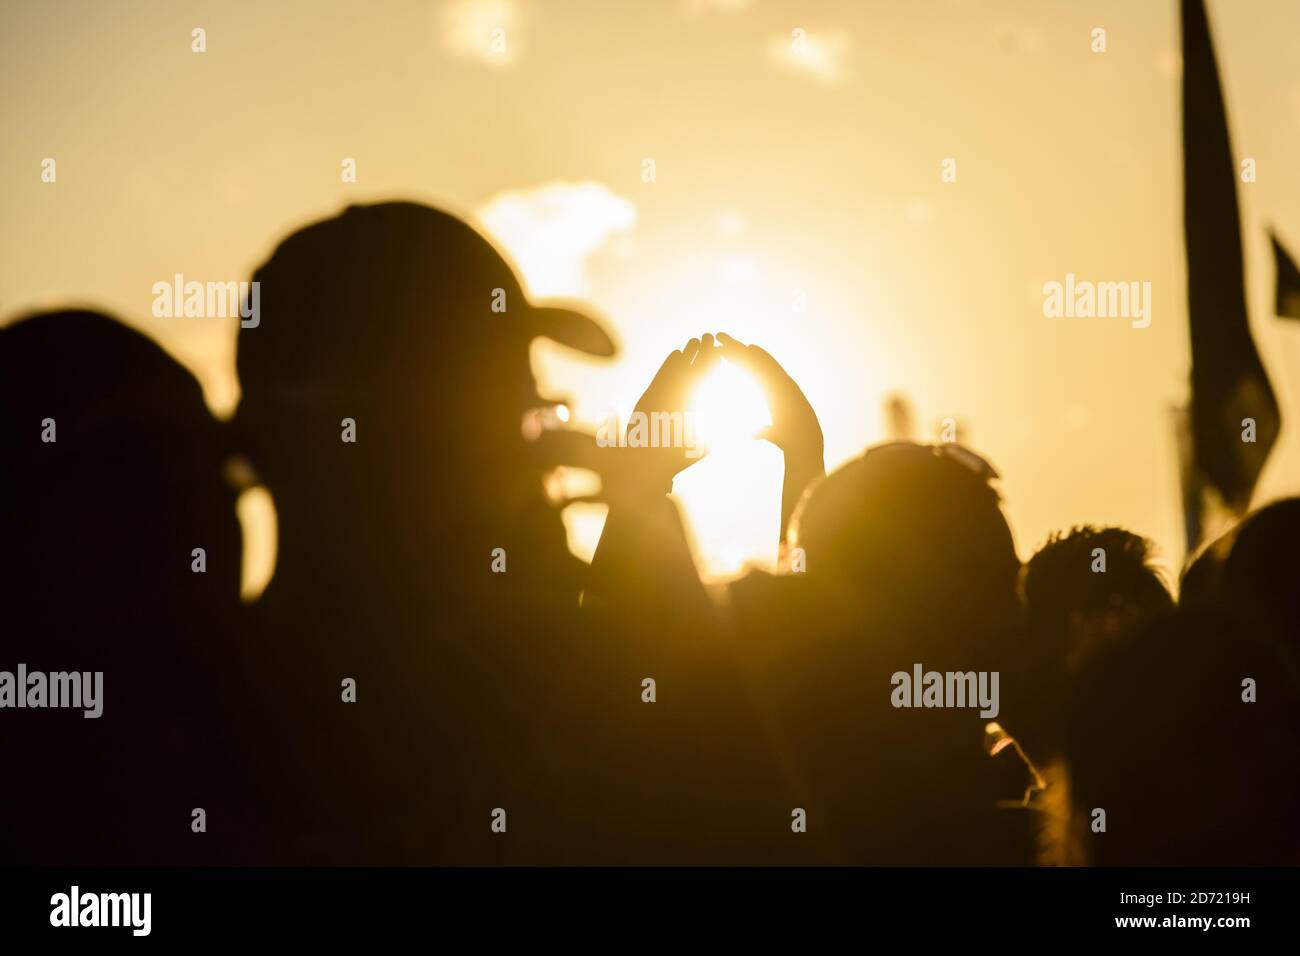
(432, 678)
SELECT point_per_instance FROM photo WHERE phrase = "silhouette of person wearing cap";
(384, 390)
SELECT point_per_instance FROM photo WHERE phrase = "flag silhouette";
(1288, 281)
(1229, 384)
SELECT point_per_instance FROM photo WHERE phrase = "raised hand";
(643, 553)
(660, 438)
(794, 429)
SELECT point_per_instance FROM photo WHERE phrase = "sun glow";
(728, 408)
(732, 495)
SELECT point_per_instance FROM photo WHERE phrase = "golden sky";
(778, 174)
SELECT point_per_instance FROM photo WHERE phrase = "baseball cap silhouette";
(367, 301)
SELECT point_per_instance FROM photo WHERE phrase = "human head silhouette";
(1259, 576)
(112, 479)
(918, 527)
(1071, 606)
(132, 481)
(1074, 605)
(387, 315)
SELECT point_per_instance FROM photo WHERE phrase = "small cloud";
(486, 30)
(821, 55)
(551, 230)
